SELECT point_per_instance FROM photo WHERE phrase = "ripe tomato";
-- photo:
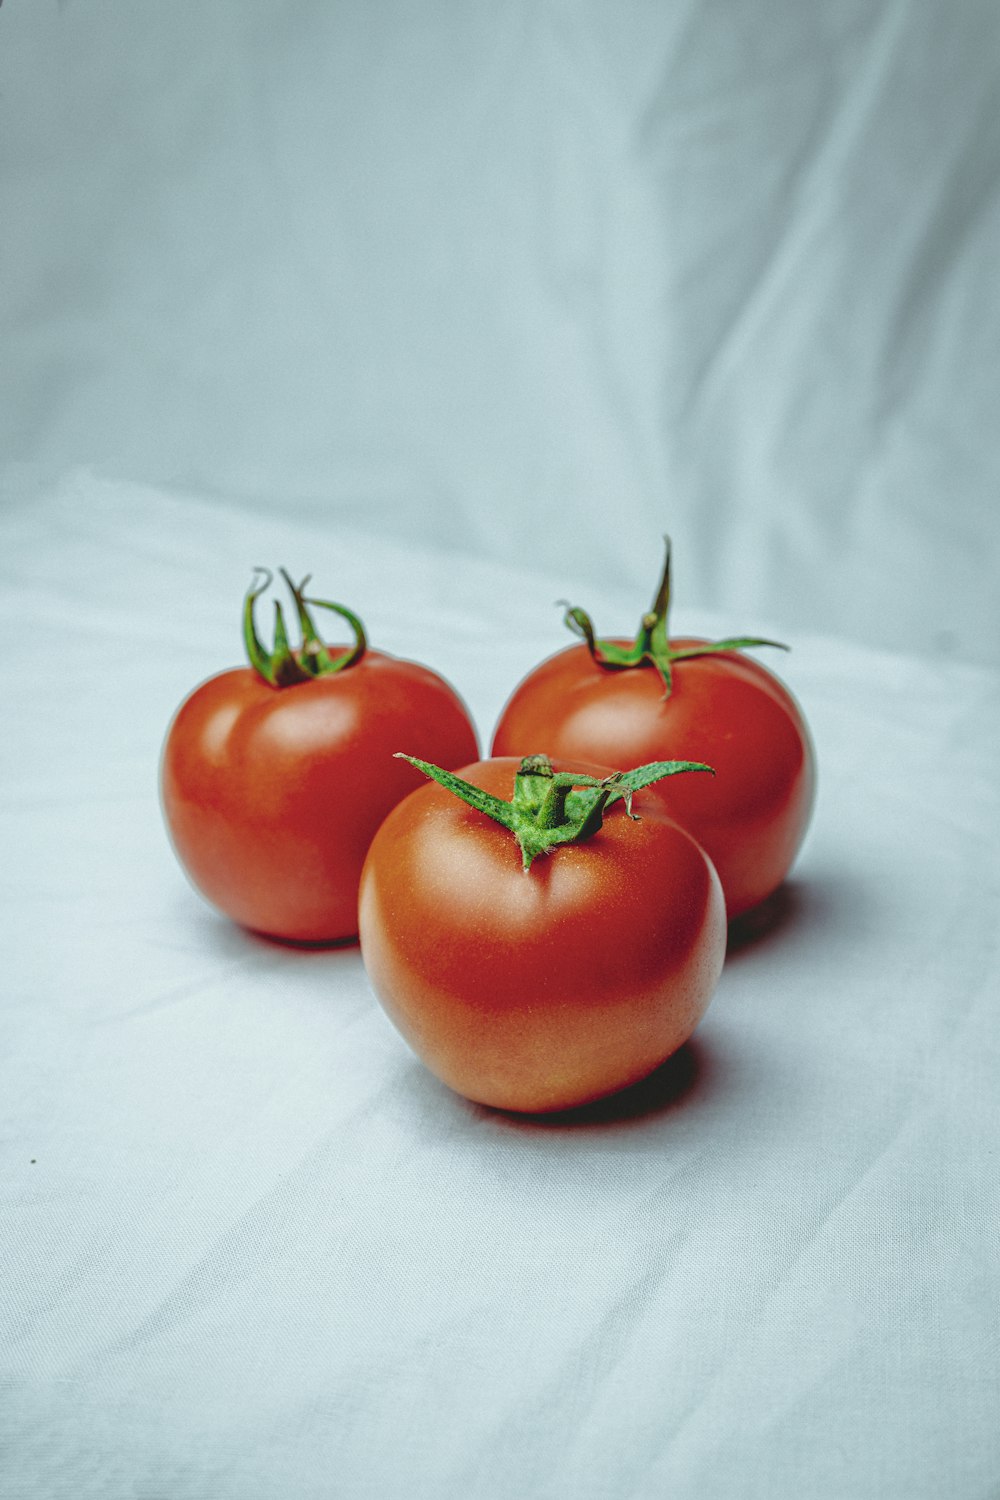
(607, 699)
(541, 988)
(274, 777)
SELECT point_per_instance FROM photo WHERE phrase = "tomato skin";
(725, 710)
(544, 989)
(272, 796)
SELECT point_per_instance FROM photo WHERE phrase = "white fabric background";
(546, 276)
(460, 307)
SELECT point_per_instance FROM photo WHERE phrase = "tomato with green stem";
(541, 950)
(275, 776)
(663, 697)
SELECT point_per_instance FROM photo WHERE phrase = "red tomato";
(271, 795)
(539, 989)
(722, 708)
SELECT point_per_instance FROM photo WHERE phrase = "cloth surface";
(543, 278)
(251, 1248)
(459, 308)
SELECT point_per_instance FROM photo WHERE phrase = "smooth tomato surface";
(272, 796)
(543, 989)
(725, 710)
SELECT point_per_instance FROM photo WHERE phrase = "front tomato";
(541, 988)
(274, 777)
(660, 697)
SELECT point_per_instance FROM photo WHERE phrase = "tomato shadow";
(297, 945)
(795, 905)
(672, 1084)
(219, 931)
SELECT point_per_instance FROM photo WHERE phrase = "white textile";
(460, 307)
(251, 1248)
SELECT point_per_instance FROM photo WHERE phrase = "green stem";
(652, 646)
(552, 807)
(282, 666)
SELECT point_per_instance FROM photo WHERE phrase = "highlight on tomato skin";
(661, 697)
(275, 776)
(539, 987)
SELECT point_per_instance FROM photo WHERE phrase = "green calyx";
(652, 643)
(284, 666)
(552, 807)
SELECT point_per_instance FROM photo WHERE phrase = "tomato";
(538, 989)
(660, 697)
(272, 789)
